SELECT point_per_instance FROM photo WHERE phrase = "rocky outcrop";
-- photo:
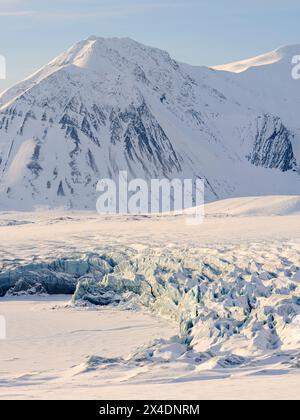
(273, 145)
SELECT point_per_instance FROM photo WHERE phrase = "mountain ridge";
(284, 53)
(106, 105)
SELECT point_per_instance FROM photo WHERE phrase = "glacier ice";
(216, 300)
(55, 277)
(237, 297)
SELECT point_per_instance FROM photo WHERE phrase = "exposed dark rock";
(60, 191)
(273, 145)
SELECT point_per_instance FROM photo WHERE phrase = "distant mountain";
(112, 104)
(282, 55)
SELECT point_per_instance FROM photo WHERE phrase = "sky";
(200, 32)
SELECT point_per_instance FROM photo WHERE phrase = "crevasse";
(219, 298)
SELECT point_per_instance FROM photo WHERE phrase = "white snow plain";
(221, 321)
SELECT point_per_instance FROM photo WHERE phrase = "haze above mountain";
(107, 105)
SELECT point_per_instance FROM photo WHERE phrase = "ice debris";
(240, 297)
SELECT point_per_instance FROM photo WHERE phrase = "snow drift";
(255, 206)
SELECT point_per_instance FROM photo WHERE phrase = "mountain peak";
(101, 56)
(110, 39)
(111, 104)
(96, 53)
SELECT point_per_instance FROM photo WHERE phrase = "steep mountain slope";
(107, 105)
(267, 80)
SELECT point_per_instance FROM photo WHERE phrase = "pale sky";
(208, 32)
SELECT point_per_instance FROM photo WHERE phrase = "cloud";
(84, 9)
(12, 8)
(17, 13)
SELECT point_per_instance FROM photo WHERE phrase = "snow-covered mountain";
(113, 104)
